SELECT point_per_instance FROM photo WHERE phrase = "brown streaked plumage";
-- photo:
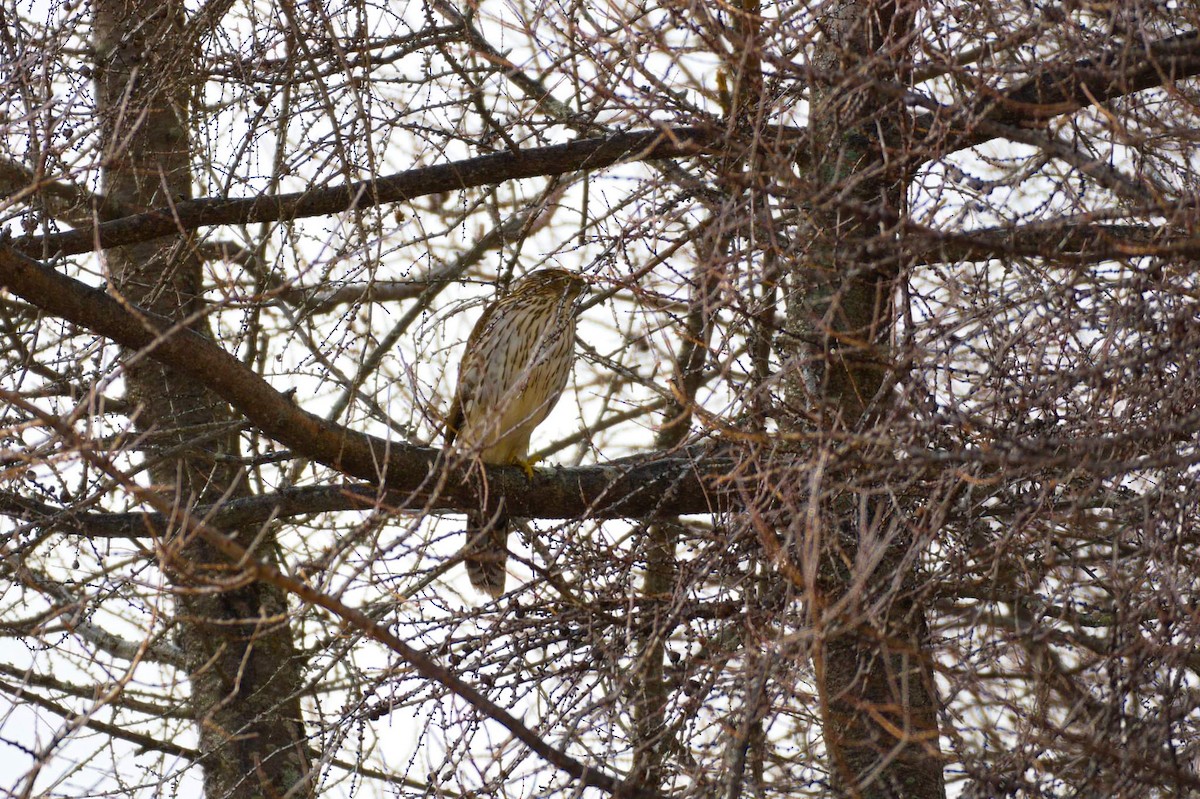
(514, 369)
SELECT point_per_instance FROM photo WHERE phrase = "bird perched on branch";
(514, 369)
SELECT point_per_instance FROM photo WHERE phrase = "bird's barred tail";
(486, 553)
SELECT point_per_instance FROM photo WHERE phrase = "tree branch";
(1122, 70)
(232, 513)
(1127, 68)
(22, 695)
(641, 487)
(63, 200)
(484, 170)
(1069, 240)
(423, 663)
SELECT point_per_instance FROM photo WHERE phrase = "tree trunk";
(241, 659)
(870, 652)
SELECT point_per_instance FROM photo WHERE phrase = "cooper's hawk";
(516, 363)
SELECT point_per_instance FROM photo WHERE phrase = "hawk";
(514, 369)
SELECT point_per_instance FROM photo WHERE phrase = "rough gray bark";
(870, 655)
(238, 648)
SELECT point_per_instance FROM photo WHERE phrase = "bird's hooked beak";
(584, 288)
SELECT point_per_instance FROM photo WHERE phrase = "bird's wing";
(468, 375)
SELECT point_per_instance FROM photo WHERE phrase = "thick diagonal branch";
(644, 487)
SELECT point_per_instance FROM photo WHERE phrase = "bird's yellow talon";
(526, 466)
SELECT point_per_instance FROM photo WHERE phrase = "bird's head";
(553, 282)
